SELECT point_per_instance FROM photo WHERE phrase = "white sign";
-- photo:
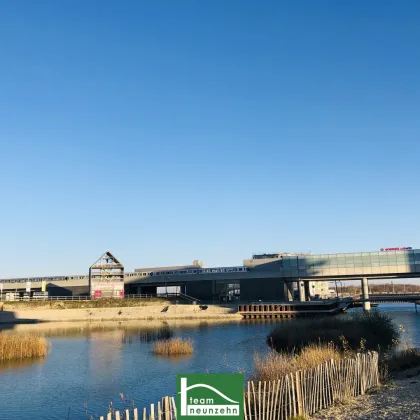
(28, 286)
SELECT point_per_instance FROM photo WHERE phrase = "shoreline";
(126, 313)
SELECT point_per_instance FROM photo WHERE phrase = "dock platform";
(290, 310)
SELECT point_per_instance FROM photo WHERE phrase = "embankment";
(29, 314)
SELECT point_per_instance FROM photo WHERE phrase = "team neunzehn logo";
(210, 395)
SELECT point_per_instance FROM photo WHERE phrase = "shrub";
(15, 347)
(275, 365)
(173, 347)
(374, 329)
(399, 361)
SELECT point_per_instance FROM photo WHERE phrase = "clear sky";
(167, 131)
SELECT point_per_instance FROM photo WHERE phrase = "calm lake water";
(93, 363)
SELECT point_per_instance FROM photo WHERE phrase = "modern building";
(267, 277)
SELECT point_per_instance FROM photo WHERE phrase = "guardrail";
(43, 298)
(85, 298)
(141, 296)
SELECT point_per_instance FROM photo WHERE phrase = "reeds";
(275, 365)
(173, 347)
(17, 347)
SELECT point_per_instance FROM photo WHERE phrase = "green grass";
(371, 331)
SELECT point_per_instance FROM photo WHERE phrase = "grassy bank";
(17, 347)
(77, 304)
(301, 344)
(173, 347)
(371, 331)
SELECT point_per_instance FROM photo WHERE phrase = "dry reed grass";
(17, 347)
(276, 365)
(173, 347)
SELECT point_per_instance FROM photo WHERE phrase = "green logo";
(210, 395)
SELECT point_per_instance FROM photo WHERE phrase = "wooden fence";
(305, 392)
(164, 410)
(298, 393)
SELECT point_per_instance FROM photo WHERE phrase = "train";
(200, 271)
(189, 271)
(40, 279)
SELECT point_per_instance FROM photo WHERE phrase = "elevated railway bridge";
(269, 277)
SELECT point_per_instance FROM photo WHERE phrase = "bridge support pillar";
(307, 290)
(365, 293)
(288, 290)
(301, 290)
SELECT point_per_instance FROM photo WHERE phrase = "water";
(93, 364)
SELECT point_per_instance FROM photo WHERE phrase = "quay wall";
(159, 312)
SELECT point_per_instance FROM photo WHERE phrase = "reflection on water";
(93, 363)
(173, 359)
(20, 365)
(128, 331)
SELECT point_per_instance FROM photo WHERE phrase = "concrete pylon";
(301, 289)
(365, 293)
(307, 287)
(288, 289)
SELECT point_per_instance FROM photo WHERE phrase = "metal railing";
(85, 298)
(42, 298)
(141, 296)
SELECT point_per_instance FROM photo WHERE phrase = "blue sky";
(167, 131)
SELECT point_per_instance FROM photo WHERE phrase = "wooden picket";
(305, 392)
(298, 393)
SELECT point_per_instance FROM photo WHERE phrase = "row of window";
(382, 254)
(138, 274)
(39, 279)
(200, 271)
(143, 274)
(346, 264)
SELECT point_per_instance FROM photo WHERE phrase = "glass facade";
(384, 262)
